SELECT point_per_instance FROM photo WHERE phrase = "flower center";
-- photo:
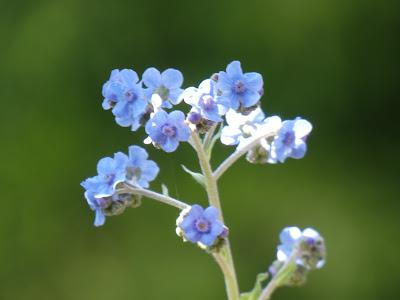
(288, 138)
(133, 173)
(207, 102)
(130, 96)
(168, 130)
(162, 91)
(202, 225)
(110, 178)
(240, 88)
(104, 202)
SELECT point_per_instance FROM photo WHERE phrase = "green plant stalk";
(281, 277)
(224, 258)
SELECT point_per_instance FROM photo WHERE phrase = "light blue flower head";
(125, 95)
(200, 225)
(139, 170)
(166, 84)
(134, 169)
(238, 89)
(205, 102)
(290, 141)
(111, 171)
(309, 244)
(167, 130)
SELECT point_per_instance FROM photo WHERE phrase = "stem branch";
(153, 195)
(238, 153)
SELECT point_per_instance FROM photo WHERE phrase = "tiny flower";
(139, 170)
(308, 244)
(240, 126)
(167, 130)
(240, 90)
(166, 84)
(134, 169)
(205, 101)
(100, 188)
(290, 141)
(200, 225)
(124, 94)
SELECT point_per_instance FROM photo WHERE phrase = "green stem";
(224, 258)
(239, 152)
(284, 273)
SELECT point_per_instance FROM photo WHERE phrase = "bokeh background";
(334, 62)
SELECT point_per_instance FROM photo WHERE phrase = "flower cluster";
(228, 100)
(134, 169)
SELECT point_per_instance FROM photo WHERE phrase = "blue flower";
(204, 101)
(134, 169)
(290, 141)
(166, 84)
(240, 127)
(308, 243)
(167, 130)
(124, 94)
(139, 170)
(238, 89)
(111, 171)
(200, 225)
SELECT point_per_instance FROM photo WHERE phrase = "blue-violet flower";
(240, 90)
(124, 94)
(204, 101)
(200, 225)
(167, 130)
(166, 84)
(290, 141)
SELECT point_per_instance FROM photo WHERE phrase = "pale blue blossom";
(241, 90)
(290, 141)
(166, 84)
(167, 130)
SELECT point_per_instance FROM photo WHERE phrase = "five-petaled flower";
(166, 84)
(205, 102)
(167, 130)
(200, 225)
(238, 89)
(290, 141)
(134, 169)
(111, 171)
(124, 94)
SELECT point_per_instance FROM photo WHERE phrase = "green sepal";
(196, 176)
(256, 291)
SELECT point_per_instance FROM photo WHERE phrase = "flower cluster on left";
(112, 172)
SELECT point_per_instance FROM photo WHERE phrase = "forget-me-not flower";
(167, 130)
(111, 171)
(139, 169)
(125, 95)
(200, 225)
(204, 101)
(166, 84)
(308, 243)
(238, 88)
(290, 141)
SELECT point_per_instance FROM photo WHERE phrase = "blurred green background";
(334, 62)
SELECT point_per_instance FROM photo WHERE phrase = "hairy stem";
(224, 258)
(279, 279)
(239, 152)
(153, 195)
